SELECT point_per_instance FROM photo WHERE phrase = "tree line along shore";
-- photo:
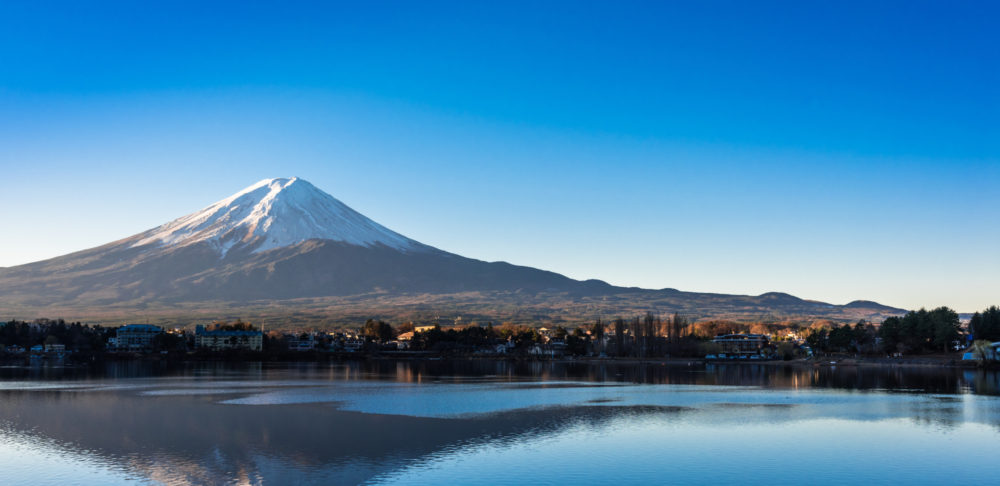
(922, 336)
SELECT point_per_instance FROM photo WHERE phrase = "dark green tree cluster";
(74, 336)
(986, 325)
(578, 342)
(379, 331)
(167, 341)
(237, 325)
(466, 339)
(850, 339)
(920, 331)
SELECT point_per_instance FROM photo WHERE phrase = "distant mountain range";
(282, 246)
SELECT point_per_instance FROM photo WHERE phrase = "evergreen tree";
(986, 325)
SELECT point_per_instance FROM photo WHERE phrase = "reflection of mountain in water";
(192, 437)
(186, 439)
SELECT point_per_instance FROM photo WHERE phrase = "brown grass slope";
(321, 282)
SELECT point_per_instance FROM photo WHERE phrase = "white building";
(219, 340)
(136, 337)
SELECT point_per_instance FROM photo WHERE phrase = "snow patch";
(275, 213)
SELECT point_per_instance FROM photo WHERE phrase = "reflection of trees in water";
(900, 378)
(982, 382)
(947, 416)
(922, 379)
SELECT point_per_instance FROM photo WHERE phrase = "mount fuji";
(277, 239)
(284, 240)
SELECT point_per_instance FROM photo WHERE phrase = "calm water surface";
(496, 423)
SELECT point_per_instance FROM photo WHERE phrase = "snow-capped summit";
(275, 213)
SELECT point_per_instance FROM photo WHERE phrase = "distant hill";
(282, 246)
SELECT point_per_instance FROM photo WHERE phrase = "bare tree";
(597, 334)
(648, 333)
(619, 326)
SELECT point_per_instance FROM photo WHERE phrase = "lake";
(495, 422)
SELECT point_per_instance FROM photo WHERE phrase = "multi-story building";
(55, 348)
(742, 344)
(217, 340)
(303, 342)
(136, 337)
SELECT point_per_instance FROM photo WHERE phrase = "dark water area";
(494, 422)
(922, 379)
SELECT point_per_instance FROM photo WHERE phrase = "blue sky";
(835, 151)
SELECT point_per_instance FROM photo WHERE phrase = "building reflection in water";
(171, 423)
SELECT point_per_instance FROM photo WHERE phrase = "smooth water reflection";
(495, 423)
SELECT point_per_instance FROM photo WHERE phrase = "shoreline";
(915, 361)
(928, 361)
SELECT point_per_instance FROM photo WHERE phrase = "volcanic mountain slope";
(277, 239)
(284, 239)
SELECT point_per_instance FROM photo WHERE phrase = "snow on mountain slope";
(275, 213)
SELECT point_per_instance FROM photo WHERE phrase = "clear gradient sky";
(832, 150)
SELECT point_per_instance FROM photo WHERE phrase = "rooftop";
(201, 331)
(140, 327)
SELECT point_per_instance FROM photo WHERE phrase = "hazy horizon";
(831, 152)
